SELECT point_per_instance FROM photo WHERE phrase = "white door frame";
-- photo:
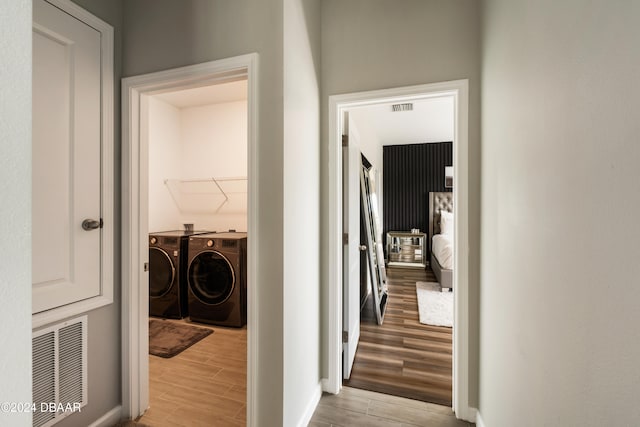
(135, 297)
(459, 89)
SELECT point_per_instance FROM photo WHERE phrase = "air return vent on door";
(59, 371)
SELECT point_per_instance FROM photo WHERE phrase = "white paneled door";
(351, 256)
(66, 158)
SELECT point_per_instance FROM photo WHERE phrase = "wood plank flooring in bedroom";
(403, 357)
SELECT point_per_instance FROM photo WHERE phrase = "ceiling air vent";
(402, 107)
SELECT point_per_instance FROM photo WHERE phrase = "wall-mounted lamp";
(448, 177)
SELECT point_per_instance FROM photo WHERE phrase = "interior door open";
(351, 163)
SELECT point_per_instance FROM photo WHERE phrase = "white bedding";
(442, 248)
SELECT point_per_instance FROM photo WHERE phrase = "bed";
(440, 237)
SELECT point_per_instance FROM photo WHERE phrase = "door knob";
(362, 247)
(91, 224)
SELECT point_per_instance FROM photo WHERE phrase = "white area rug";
(435, 306)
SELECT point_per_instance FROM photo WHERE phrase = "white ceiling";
(206, 95)
(431, 120)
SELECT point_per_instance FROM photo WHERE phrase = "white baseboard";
(473, 415)
(467, 414)
(109, 419)
(329, 387)
(479, 421)
(311, 407)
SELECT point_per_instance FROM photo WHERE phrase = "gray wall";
(104, 355)
(163, 34)
(15, 211)
(15, 127)
(560, 208)
(301, 207)
(379, 44)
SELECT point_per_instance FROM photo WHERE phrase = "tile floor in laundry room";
(204, 386)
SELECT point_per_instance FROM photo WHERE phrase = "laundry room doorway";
(189, 183)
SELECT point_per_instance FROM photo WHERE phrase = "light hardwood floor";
(362, 408)
(204, 386)
(403, 357)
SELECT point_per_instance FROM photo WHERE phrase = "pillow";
(446, 222)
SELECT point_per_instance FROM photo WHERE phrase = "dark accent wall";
(410, 173)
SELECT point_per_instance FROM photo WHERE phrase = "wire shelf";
(209, 195)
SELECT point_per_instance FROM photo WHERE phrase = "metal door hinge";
(345, 238)
(345, 141)
(345, 336)
(146, 266)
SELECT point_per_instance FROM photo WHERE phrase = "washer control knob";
(210, 243)
(153, 240)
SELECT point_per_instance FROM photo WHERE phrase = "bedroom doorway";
(339, 105)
